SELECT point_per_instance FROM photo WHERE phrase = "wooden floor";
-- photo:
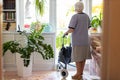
(41, 75)
(46, 75)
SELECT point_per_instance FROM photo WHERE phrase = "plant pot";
(93, 30)
(23, 71)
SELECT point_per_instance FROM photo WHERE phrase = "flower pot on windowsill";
(96, 30)
(93, 30)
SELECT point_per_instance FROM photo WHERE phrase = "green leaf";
(35, 43)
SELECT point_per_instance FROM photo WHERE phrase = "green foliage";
(40, 6)
(34, 44)
(59, 40)
(96, 21)
(13, 46)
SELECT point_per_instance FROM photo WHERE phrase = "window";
(31, 15)
(97, 14)
(64, 13)
(65, 10)
(97, 7)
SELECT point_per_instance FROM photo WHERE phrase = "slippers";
(77, 77)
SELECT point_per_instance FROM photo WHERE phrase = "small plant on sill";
(34, 44)
(96, 22)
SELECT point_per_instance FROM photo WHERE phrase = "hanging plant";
(39, 9)
(40, 6)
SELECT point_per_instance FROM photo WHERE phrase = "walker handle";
(65, 35)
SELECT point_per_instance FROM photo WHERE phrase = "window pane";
(97, 7)
(97, 15)
(64, 13)
(32, 16)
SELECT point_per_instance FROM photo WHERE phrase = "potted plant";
(96, 22)
(34, 43)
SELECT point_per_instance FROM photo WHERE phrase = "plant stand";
(21, 70)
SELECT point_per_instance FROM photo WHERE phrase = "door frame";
(1, 40)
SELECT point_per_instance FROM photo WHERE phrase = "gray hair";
(79, 6)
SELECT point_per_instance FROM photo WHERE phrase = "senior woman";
(78, 26)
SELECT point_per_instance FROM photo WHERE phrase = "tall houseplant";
(34, 44)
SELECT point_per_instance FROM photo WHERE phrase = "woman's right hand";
(66, 33)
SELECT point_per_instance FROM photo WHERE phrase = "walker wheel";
(58, 67)
(64, 73)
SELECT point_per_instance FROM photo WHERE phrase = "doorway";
(67, 21)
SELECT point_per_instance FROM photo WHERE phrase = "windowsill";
(14, 32)
(95, 34)
(9, 32)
